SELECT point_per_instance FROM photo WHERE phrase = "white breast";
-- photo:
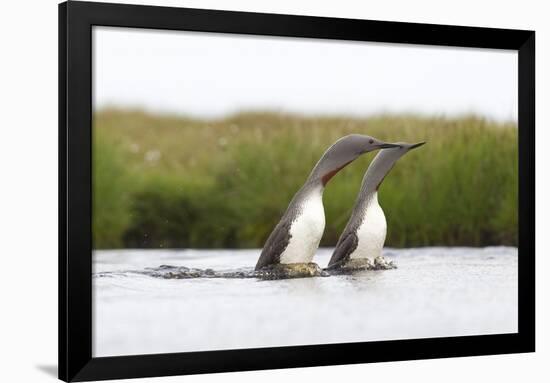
(372, 232)
(306, 230)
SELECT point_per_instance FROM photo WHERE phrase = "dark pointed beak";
(416, 145)
(386, 145)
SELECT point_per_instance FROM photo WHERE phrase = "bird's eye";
(371, 141)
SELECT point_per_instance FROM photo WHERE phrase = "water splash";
(272, 272)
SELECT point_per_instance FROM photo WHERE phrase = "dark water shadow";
(48, 369)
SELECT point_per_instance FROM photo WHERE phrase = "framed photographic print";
(245, 191)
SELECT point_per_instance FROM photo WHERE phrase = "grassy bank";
(162, 181)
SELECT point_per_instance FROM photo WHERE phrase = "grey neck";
(316, 175)
(310, 186)
(378, 169)
(326, 168)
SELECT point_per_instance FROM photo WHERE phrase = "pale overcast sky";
(211, 75)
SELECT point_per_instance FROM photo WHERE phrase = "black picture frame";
(75, 244)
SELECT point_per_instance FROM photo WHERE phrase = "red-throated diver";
(365, 232)
(296, 237)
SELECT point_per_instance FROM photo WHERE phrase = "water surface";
(434, 292)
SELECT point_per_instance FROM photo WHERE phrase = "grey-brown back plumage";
(345, 247)
(347, 243)
(276, 243)
(280, 237)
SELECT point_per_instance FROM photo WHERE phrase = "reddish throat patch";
(331, 174)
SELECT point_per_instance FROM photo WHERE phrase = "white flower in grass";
(152, 156)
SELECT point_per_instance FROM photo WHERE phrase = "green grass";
(166, 181)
